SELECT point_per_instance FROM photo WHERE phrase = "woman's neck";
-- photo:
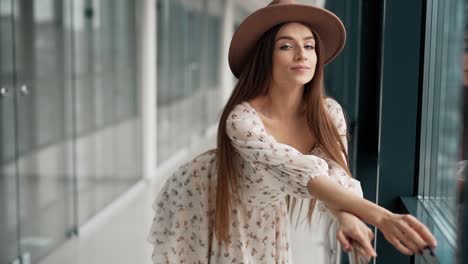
(283, 103)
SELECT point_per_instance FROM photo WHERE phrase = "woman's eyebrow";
(288, 37)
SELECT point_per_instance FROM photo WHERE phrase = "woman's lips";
(300, 69)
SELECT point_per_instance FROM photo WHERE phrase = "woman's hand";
(351, 231)
(406, 233)
(395, 227)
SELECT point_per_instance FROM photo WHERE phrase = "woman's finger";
(370, 234)
(400, 247)
(421, 229)
(409, 243)
(401, 233)
(345, 243)
(360, 251)
(414, 237)
(366, 245)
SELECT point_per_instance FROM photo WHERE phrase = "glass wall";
(70, 126)
(188, 65)
(9, 228)
(442, 158)
(107, 114)
(41, 74)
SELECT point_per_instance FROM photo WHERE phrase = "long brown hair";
(255, 81)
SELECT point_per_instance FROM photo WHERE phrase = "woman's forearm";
(334, 211)
(338, 198)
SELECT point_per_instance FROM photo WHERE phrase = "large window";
(188, 65)
(442, 157)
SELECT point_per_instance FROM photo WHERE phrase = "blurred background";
(100, 100)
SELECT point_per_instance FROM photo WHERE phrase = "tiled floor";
(119, 236)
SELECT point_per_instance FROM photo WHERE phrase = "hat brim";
(326, 24)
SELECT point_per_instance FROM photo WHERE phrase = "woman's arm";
(405, 232)
(352, 230)
(338, 198)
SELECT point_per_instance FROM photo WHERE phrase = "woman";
(279, 139)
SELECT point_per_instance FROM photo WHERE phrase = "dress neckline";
(271, 136)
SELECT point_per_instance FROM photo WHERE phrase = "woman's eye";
(286, 47)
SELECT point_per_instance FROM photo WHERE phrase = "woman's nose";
(300, 55)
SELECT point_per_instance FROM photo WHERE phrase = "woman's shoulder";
(336, 113)
(331, 104)
(242, 110)
(333, 108)
(243, 114)
(244, 124)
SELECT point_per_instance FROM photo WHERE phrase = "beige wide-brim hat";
(327, 25)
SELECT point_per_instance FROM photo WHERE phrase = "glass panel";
(45, 155)
(181, 106)
(441, 156)
(188, 65)
(193, 111)
(9, 228)
(213, 63)
(108, 146)
(163, 65)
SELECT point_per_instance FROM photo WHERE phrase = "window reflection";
(188, 64)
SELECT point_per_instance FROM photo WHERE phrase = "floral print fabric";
(259, 225)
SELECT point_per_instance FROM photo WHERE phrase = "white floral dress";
(259, 226)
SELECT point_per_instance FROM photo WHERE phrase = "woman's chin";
(300, 80)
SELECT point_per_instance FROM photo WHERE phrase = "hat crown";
(282, 2)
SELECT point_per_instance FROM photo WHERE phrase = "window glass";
(442, 157)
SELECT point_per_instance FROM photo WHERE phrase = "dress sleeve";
(336, 172)
(281, 166)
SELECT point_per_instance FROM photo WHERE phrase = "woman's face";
(294, 56)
